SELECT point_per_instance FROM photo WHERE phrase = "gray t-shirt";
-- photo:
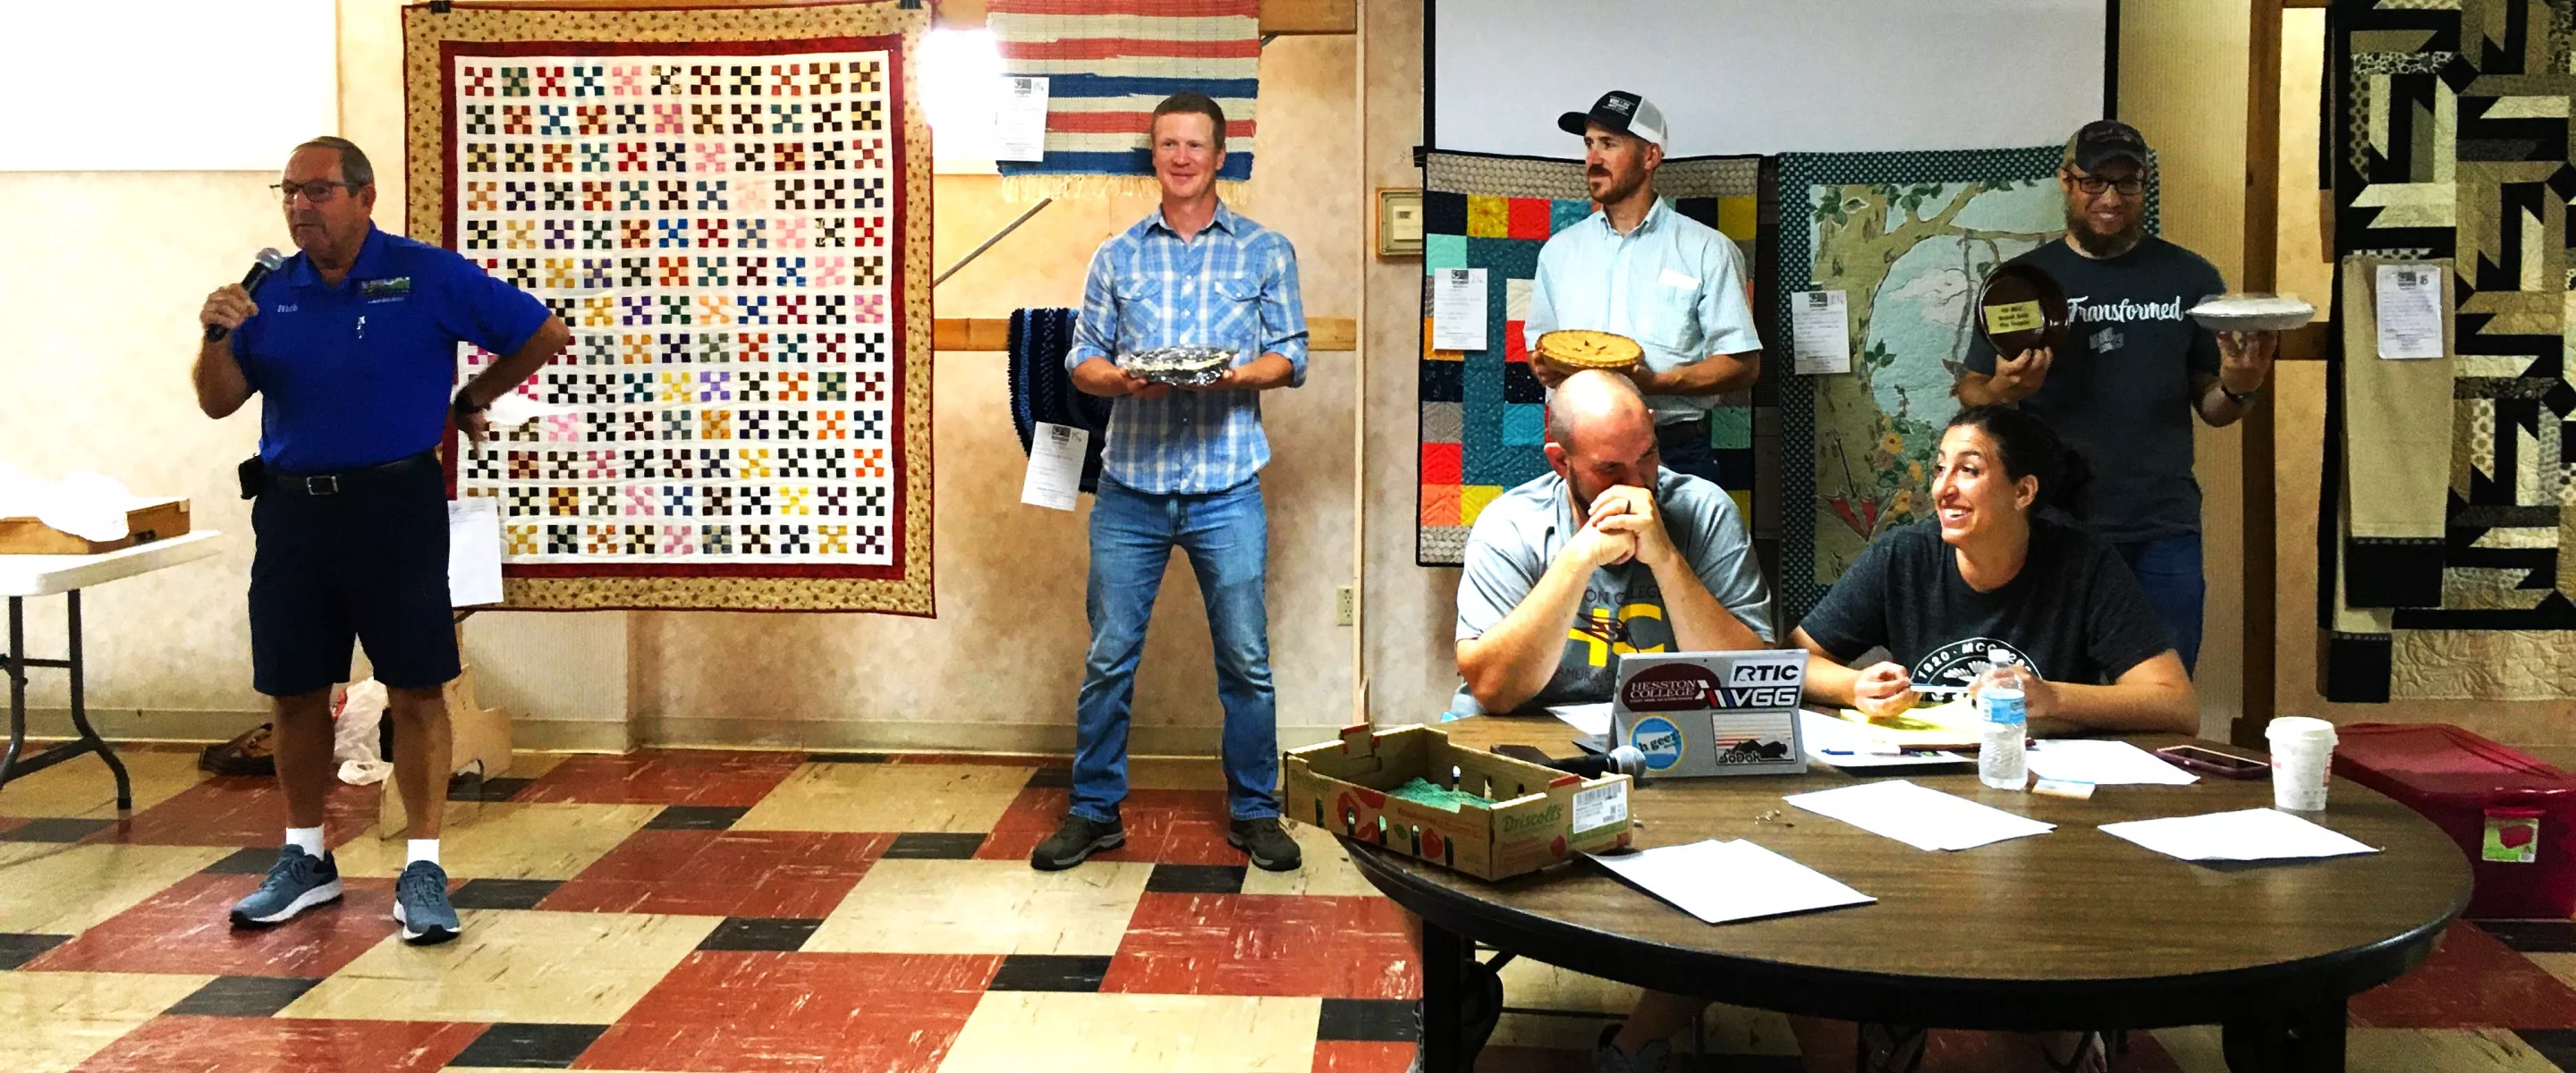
(2119, 388)
(1521, 533)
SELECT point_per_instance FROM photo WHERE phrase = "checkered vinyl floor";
(711, 912)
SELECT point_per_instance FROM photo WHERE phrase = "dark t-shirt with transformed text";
(2119, 388)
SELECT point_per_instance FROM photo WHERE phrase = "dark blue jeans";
(1227, 536)
(2169, 569)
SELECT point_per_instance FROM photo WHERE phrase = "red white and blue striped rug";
(1109, 62)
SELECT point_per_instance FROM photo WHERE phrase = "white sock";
(422, 849)
(308, 839)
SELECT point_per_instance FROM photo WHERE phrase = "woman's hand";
(1884, 689)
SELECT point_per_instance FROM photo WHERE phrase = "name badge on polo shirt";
(384, 290)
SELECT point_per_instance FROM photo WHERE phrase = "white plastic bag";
(353, 734)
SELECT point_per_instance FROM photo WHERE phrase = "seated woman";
(1994, 590)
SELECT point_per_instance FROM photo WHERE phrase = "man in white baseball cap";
(1642, 270)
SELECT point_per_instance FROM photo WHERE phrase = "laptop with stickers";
(1697, 714)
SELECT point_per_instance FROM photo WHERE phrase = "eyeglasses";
(2094, 187)
(317, 191)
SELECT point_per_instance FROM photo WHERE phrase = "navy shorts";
(367, 564)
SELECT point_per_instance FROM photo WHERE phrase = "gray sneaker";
(1648, 1059)
(1267, 842)
(297, 882)
(1075, 842)
(421, 906)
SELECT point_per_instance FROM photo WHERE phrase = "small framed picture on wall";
(1399, 222)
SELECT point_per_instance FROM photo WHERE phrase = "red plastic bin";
(2463, 783)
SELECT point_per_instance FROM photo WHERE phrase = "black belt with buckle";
(332, 484)
(1693, 432)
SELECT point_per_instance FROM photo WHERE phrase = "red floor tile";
(185, 929)
(1351, 1056)
(723, 873)
(723, 1011)
(1163, 827)
(2471, 981)
(664, 777)
(1261, 944)
(279, 1045)
(242, 811)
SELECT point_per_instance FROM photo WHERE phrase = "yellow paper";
(2017, 317)
(1950, 723)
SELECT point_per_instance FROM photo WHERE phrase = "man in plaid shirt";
(1181, 468)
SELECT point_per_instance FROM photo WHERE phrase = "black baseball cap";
(1621, 111)
(2103, 141)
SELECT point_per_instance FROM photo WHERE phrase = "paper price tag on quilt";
(1458, 309)
(1820, 332)
(1019, 122)
(2410, 312)
(473, 552)
(1055, 466)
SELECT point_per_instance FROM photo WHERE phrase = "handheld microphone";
(1624, 760)
(269, 261)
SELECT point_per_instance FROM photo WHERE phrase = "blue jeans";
(1227, 536)
(2169, 569)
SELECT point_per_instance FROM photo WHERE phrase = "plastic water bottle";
(1999, 743)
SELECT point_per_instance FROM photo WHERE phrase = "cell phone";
(2213, 762)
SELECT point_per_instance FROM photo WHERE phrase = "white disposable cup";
(2302, 762)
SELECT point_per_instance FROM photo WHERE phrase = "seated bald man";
(1610, 553)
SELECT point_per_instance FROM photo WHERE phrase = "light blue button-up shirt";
(1675, 285)
(1233, 285)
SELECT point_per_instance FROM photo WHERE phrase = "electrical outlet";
(1342, 606)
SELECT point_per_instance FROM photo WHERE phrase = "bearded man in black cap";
(2133, 371)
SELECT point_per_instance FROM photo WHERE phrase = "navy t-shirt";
(2073, 614)
(2120, 386)
(360, 374)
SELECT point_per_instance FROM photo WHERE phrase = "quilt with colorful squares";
(730, 209)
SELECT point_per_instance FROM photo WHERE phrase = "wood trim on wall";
(1277, 16)
(994, 333)
(2260, 272)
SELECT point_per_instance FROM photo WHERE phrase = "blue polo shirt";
(360, 374)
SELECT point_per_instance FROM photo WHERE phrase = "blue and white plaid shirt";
(1234, 286)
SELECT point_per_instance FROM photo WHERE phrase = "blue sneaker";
(297, 882)
(420, 905)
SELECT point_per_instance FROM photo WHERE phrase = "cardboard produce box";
(146, 521)
(1539, 815)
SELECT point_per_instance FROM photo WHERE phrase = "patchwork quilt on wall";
(1483, 414)
(731, 208)
(2451, 149)
(1908, 237)
(1107, 64)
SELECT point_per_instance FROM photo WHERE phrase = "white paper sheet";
(1589, 718)
(1819, 333)
(1843, 744)
(1919, 817)
(1721, 882)
(1054, 479)
(1458, 309)
(2254, 834)
(2104, 763)
(1019, 119)
(2410, 311)
(473, 553)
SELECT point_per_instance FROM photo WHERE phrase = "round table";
(2071, 930)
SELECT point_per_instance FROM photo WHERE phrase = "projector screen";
(1763, 76)
(166, 85)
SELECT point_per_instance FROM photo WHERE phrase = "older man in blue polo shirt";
(1637, 268)
(353, 345)
(1182, 469)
